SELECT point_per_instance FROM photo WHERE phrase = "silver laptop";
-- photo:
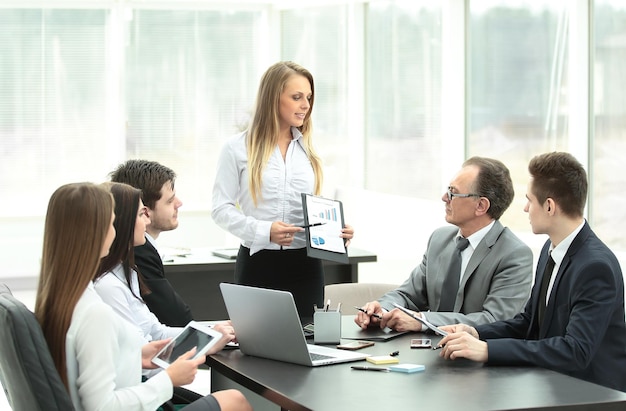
(267, 325)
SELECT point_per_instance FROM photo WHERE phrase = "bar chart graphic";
(328, 214)
(324, 237)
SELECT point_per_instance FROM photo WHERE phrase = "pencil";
(373, 315)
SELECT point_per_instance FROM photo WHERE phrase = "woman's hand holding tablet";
(193, 335)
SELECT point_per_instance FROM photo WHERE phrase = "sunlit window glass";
(403, 98)
(316, 38)
(190, 84)
(517, 86)
(52, 103)
(609, 108)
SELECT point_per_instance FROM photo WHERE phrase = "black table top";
(460, 384)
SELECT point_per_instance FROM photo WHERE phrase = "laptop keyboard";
(317, 357)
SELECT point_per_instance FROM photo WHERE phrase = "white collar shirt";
(103, 357)
(474, 240)
(280, 199)
(113, 289)
(153, 242)
(558, 254)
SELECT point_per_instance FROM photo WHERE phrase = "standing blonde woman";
(98, 355)
(260, 176)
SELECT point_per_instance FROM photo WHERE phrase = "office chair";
(27, 372)
(355, 294)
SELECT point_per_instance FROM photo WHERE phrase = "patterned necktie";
(453, 277)
(543, 291)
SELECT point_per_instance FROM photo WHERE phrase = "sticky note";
(408, 368)
(383, 359)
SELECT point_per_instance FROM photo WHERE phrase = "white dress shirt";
(113, 289)
(474, 240)
(558, 254)
(104, 361)
(283, 182)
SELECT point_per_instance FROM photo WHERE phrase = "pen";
(360, 368)
(311, 225)
(437, 347)
(327, 305)
(393, 354)
(373, 315)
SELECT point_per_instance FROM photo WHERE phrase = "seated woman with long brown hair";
(98, 355)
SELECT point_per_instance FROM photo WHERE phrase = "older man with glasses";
(473, 272)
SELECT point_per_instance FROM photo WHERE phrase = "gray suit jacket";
(495, 286)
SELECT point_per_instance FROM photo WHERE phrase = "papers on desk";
(422, 320)
(227, 253)
(355, 332)
(169, 253)
(197, 255)
(407, 368)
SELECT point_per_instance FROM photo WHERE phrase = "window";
(83, 90)
(53, 117)
(316, 38)
(403, 98)
(609, 108)
(517, 87)
(190, 82)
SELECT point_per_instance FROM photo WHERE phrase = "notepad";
(383, 359)
(408, 368)
(227, 253)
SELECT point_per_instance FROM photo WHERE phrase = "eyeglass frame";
(451, 195)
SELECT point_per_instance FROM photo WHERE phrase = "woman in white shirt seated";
(98, 355)
(118, 282)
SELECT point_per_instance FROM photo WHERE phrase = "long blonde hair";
(77, 222)
(262, 136)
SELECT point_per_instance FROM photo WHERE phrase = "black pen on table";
(373, 315)
(311, 225)
(362, 368)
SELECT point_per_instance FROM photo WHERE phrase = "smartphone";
(420, 343)
(355, 345)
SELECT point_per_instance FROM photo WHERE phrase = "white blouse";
(113, 289)
(104, 361)
(280, 200)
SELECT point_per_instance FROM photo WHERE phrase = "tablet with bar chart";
(323, 219)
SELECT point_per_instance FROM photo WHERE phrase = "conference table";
(196, 274)
(443, 385)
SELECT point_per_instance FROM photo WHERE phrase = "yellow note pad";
(383, 359)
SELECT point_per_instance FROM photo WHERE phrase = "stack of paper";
(408, 368)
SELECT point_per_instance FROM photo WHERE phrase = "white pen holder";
(327, 327)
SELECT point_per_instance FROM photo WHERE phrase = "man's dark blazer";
(583, 332)
(162, 300)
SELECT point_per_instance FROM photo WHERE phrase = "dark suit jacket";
(583, 333)
(163, 300)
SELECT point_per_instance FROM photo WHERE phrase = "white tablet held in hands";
(193, 335)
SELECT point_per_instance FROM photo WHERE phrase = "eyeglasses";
(451, 195)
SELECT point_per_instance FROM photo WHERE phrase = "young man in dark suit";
(156, 183)
(574, 320)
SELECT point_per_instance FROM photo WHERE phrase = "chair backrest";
(27, 372)
(355, 294)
